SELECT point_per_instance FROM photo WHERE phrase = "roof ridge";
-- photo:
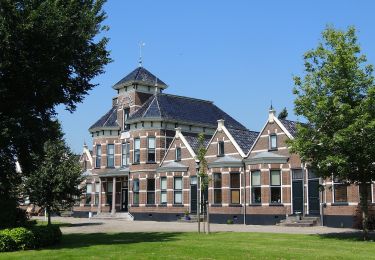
(184, 97)
(136, 75)
(157, 102)
(110, 115)
(149, 105)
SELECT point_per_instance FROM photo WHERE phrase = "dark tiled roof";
(194, 142)
(142, 76)
(244, 138)
(108, 120)
(291, 126)
(184, 109)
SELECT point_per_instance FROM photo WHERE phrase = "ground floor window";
(135, 191)
(217, 188)
(109, 192)
(163, 190)
(150, 191)
(177, 190)
(275, 186)
(88, 193)
(340, 191)
(256, 192)
(235, 188)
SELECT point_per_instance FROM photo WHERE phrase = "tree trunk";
(49, 216)
(364, 208)
(199, 205)
(208, 218)
(204, 214)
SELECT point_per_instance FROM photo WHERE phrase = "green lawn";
(193, 246)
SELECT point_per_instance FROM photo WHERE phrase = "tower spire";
(141, 45)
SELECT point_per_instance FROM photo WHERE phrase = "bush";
(46, 235)
(35, 237)
(23, 238)
(7, 243)
(229, 221)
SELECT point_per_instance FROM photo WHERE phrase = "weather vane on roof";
(141, 45)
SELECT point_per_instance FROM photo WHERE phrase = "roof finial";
(271, 107)
(141, 45)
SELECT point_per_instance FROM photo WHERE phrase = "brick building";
(143, 162)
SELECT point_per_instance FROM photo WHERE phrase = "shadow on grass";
(77, 224)
(93, 239)
(349, 236)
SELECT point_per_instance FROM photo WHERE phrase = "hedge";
(34, 237)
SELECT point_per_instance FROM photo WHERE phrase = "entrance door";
(297, 196)
(193, 194)
(314, 197)
(124, 200)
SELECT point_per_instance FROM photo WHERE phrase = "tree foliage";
(55, 183)
(283, 114)
(50, 52)
(337, 97)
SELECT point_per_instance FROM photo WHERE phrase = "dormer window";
(126, 116)
(273, 142)
(220, 148)
(178, 154)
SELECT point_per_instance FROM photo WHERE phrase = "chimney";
(220, 124)
(271, 114)
(178, 131)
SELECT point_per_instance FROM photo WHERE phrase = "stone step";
(117, 215)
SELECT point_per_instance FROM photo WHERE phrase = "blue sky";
(239, 54)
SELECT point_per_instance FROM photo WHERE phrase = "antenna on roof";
(141, 45)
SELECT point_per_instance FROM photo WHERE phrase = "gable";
(262, 143)
(229, 147)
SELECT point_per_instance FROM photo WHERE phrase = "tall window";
(273, 141)
(109, 192)
(126, 116)
(135, 191)
(150, 191)
(163, 190)
(137, 150)
(98, 156)
(125, 154)
(235, 188)
(151, 149)
(88, 193)
(97, 190)
(217, 188)
(256, 191)
(340, 191)
(178, 154)
(110, 155)
(177, 190)
(275, 186)
(220, 148)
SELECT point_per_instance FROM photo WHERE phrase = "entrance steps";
(193, 218)
(117, 215)
(294, 221)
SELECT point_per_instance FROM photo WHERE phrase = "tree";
(337, 97)
(203, 176)
(283, 114)
(54, 185)
(50, 52)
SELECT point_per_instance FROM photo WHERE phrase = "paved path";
(85, 225)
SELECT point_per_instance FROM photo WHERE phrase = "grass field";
(194, 246)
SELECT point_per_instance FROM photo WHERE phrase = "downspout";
(303, 189)
(244, 207)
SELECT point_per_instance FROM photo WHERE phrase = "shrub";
(7, 243)
(229, 221)
(46, 235)
(35, 237)
(23, 238)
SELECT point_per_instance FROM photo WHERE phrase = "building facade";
(144, 162)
